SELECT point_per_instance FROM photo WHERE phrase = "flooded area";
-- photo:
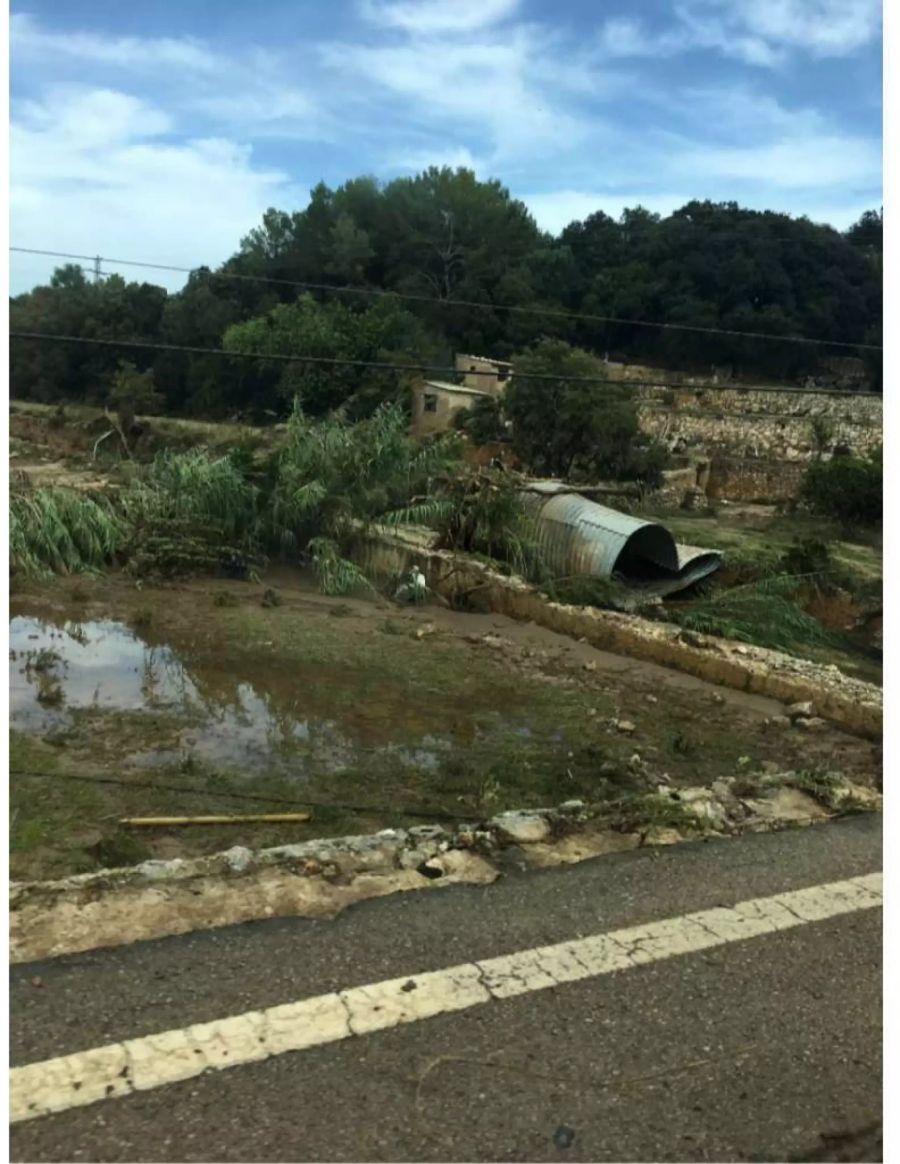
(274, 722)
(212, 697)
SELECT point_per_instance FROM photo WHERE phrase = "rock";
(693, 639)
(658, 835)
(589, 665)
(718, 698)
(780, 721)
(651, 699)
(813, 724)
(625, 726)
(425, 630)
(742, 650)
(796, 710)
(521, 827)
(237, 858)
(787, 804)
(571, 806)
(564, 1137)
(635, 761)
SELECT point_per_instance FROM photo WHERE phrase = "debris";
(522, 828)
(238, 858)
(813, 724)
(564, 1136)
(254, 818)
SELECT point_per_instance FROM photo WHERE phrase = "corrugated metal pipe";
(578, 536)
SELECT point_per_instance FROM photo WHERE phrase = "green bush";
(848, 489)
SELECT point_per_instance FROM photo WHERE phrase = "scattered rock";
(589, 665)
(237, 858)
(693, 639)
(796, 710)
(625, 726)
(813, 724)
(564, 1137)
(718, 698)
(651, 699)
(522, 828)
(742, 650)
(635, 761)
(271, 598)
(658, 835)
(425, 630)
(780, 721)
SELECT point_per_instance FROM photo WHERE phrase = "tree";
(483, 423)
(131, 391)
(382, 333)
(564, 426)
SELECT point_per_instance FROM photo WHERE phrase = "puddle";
(295, 722)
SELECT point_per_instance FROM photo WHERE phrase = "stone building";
(489, 376)
(435, 403)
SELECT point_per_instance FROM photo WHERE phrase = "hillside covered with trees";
(445, 236)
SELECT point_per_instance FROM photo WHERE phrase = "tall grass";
(765, 613)
(190, 511)
(63, 531)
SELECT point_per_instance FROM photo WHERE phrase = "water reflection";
(292, 721)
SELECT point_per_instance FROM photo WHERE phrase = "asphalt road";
(753, 1050)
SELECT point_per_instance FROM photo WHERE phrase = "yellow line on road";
(140, 1064)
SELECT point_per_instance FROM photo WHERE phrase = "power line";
(185, 789)
(544, 312)
(336, 362)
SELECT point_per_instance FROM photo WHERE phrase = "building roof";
(460, 388)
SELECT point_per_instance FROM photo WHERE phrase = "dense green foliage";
(483, 423)
(847, 489)
(193, 512)
(564, 426)
(443, 235)
(766, 613)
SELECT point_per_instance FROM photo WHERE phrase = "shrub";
(848, 489)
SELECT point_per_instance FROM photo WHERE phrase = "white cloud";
(128, 192)
(766, 32)
(623, 36)
(427, 17)
(758, 32)
(814, 163)
(486, 87)
(29, 41)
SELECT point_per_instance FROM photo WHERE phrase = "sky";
(161, 132)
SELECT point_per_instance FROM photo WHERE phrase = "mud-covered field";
(216, 697)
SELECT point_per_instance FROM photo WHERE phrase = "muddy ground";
(198, 698)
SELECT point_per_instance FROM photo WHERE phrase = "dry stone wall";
(759, 443)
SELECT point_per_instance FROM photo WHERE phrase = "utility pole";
(97, 272)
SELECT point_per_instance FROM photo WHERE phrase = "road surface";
(728, 1047)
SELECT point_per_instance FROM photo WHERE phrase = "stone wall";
(761, 479)
(750, 423)
(759, 444)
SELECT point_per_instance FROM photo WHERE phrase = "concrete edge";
(319, 878)
(851, 704)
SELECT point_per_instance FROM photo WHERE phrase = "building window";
(502, 374)
(430, 403)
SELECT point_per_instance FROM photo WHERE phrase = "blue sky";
(162, 131)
